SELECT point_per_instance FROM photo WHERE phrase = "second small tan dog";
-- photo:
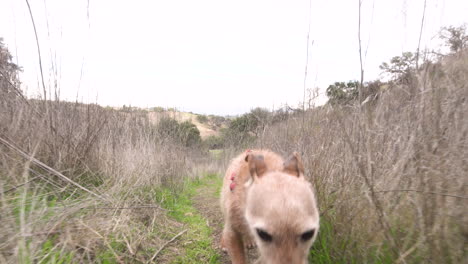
(267, 200)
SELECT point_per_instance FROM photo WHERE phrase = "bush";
(157, 109)
(342, 93)
(185, 133)
(202, 118)
(214, 142)
(455, 38)
(189, 134)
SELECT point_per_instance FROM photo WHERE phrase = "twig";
(305, 78)
(360, 55)
(105, 241)
(425, 192)
(44, 166)
(129, 207)
(17, 186)
(17, 91)
(420, 35)
(38, 50)
(42, 233)
(307, 56)
(163, 246)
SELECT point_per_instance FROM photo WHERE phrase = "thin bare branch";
(424, 192)
(44, 166)
(127, 207)
(420, 35)
(38, 50)
(167, 243)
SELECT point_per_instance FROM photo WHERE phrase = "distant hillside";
(208, 125)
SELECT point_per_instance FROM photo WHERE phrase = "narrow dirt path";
(206, 201)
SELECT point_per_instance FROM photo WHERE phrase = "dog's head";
(281, 211)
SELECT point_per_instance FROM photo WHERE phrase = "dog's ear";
(293, 165)
(257, 166)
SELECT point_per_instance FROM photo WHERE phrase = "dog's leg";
(234, 245)
(223, 243)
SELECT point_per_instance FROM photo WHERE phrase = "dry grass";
(116, 157)
(390, 175)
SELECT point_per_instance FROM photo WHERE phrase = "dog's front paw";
(222, 245)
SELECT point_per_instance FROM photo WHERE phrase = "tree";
(243, 124)
(400, 67)
(214, 142)
(253, 122)
(202, 118)
(185, 133)
(189, 134)
(260, 117)
(280, 115)
(167, 128)
(455, 38)
(217, 121)
(342, 93)
(241, 129)
(9, 82)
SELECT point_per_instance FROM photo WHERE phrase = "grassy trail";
(206, 201)
(197, 208)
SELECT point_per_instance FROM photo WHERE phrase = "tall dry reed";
(77, 182)
(390, 174)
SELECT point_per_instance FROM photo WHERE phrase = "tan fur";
(270, 195)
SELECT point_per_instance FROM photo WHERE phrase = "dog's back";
(238, 174)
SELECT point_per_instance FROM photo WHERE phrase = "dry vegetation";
(206, 128)
(77, 182)
(390, 174)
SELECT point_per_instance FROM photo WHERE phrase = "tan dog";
(268, 199)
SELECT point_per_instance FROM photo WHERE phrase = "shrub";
(185, 133)
(202, 118)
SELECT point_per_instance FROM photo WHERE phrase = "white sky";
(211, 56)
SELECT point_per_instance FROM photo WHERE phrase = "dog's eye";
(264, 235)
(307, 235)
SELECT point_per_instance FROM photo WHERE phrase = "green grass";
(197, 241)
(330, 249)
(107, 255)
(216, 153)
(50, 254)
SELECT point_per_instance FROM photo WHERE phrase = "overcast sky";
(211, 56)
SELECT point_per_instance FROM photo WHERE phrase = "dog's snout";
(289, 258)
